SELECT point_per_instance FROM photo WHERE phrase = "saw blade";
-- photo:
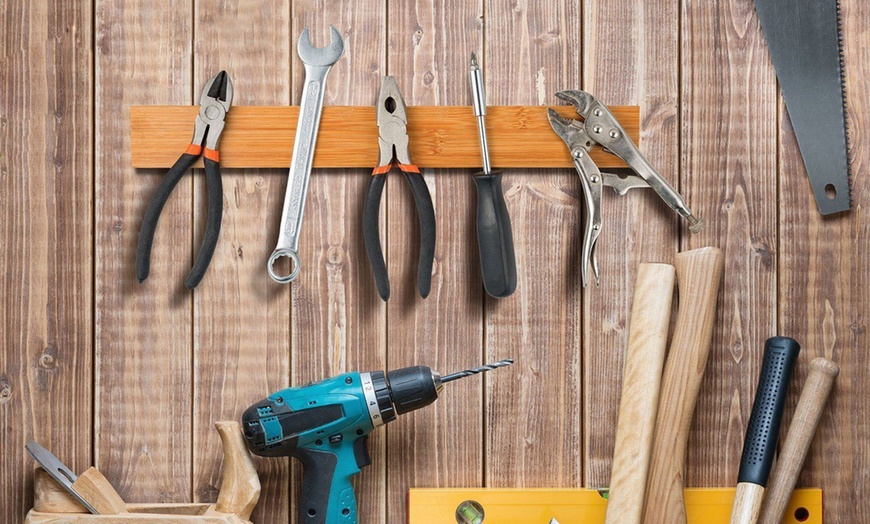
(805, 42)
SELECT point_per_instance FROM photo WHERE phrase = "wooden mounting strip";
(440, 136)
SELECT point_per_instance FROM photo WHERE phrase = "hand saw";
(805, 42)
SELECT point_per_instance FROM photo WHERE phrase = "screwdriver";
(495, 241)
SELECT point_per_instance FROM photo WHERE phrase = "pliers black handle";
(213, 220)
(425, 217)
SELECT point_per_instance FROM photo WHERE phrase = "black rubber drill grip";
(780, 356)
(495, 239)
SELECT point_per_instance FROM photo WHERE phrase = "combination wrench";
(318, 62)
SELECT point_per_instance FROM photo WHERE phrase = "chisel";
(780, 356)
(495, 239)
(641, 382)
(699, 276)
(817, 389)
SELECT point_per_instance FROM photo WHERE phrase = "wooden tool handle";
(641, 382)
(747, 503)
(817, 388)
(699, 275)
(240, 486)
(99, 493)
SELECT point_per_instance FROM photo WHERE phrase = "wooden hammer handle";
(641, 382)
(817, 388)
(699, 275)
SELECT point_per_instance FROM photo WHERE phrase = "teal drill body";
(325, 425)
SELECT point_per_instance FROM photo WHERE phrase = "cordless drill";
(326, 425)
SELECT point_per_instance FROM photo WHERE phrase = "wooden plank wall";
(130, 377)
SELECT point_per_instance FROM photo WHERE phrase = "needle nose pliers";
(217, 96)
(393, 141)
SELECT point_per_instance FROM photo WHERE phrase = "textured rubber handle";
(494, 237)
(780, 356)
(372, 235)
(212, 224)
(327, 494)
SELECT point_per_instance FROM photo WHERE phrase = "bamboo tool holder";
(440, 136)
(584, 506)
(240, 490)
(699, 277)
(641, 383)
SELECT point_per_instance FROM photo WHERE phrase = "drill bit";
(475, 371)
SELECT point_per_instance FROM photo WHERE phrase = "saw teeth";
(848, 128)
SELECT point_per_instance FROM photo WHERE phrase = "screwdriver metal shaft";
(475, 371)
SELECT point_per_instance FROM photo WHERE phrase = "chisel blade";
(805, 42)
(58, 471)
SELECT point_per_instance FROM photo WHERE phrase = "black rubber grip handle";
(426, 218)
(212, 223)
(152, 214)
(780, 356)
(371, 233)
(495, 239)
(318, 471)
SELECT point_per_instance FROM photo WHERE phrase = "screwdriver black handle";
(495, 239)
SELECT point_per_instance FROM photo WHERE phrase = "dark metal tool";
(780, 356)
(216, 99)
(495, 238)
(805, 41)
(393, 143)
(599, 126)
(58, 471)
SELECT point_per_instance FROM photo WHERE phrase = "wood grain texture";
(638, 65)
(51, 497)
(824, 289)
(441, 136)
(699, 279)
(142, 331)
(96, 489)
(533, 409)
(441, 445)
(46, 230)
(728, 157)
(338, 321)
(240, 482)
(241, 318)
(790, 460)
(747, 503)
(641, 384)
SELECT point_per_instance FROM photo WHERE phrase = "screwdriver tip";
(695, 224)
(473, 60)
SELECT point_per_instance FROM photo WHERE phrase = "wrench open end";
(294, 266)
(320, 56)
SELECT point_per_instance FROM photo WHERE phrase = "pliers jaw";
(214, 103)
(392, 126)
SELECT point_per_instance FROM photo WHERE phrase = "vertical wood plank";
(824, 290)
(241, 317)
(441, 445)
(46, 230)
(533, 410)
(337, 318)
(729, 164)
(639, 64)
(142, 331)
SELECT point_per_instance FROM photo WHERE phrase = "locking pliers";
(599, 126)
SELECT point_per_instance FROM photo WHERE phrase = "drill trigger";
(361, 452)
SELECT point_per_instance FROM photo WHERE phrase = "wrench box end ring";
(294, 266)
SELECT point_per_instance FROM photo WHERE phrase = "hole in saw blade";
(830, 191)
